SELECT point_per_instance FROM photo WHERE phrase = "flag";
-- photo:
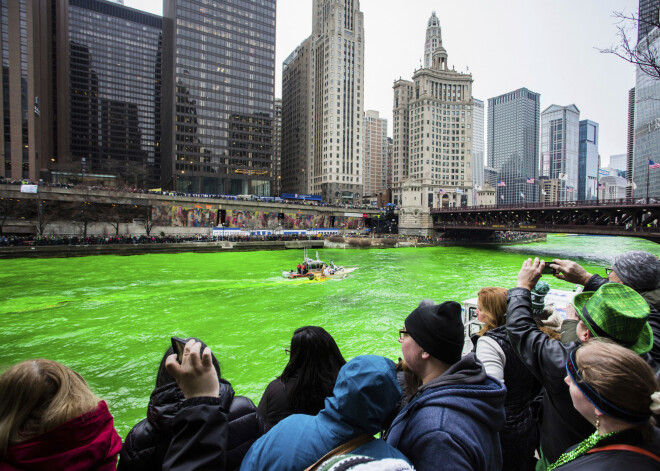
(477, 187)
(562, 176)
(652, 164)
(543, 192)
(530, 180)
(633, 184)
(569, 189)
(522, 195)
(502, 196)
(601, 185)
(459, 191)
(442, 192)
(500, 183)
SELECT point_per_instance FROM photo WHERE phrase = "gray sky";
(548, 47)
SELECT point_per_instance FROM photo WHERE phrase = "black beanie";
(438, 330)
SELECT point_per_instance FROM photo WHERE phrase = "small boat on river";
(318, 270)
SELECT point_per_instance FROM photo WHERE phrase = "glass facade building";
(648, 15)
(513, 144)
(218, 105)
(115, 86)
(588, 160)
(559, 149)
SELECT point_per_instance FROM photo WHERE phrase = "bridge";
(631, 217)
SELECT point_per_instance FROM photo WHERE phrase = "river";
(111, 317)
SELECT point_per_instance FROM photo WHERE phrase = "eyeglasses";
(608, 271)
(287, 351)
(402, 334)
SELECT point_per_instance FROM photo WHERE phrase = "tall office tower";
(296, 109)
(647, 125)
(433, 133)
(618, 162)
(560, 132)
(648, 16)
(478, 148)
(388, 177)
(513, 144)
(588, 160)
(114, 85)
(630, 142)
(375, 154)
(20, 101)
(433, 39)
(218, 102)
(277, 148)
(322, 111)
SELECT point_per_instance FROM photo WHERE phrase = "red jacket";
(86, 442)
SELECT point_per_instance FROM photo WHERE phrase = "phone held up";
(178, 344)
(547, 270)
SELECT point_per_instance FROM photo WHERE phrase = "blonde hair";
(492, 304)
(38, 395)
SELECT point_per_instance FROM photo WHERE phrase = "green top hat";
(617, 312)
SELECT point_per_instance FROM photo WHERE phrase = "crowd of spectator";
(517, 399)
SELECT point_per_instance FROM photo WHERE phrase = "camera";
(547, 270)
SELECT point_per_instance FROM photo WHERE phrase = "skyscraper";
(648, 16)
(478, 147)
(560, 133)
(375, 154)
(630, 142)
(218, 102)
(326, 105)
(277, 148)
(588, 160)
(433, 116)
(513, 144)
(433, 39)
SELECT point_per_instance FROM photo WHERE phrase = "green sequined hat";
(617, 312)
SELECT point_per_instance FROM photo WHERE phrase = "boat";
(318, 270)
(559, 298)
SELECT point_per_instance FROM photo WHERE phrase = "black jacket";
(618, 459)
(596, 281)
(147, 443)
(274, 404)
(561, 425)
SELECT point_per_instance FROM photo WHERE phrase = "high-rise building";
(433, 116)
(218, 98)
(560, 131)
(114, 92)
(618, 162)
(277, 148)
(513, 144)
(433, 39)
(630, 142)
(648, 17)
(323, 106)
(375, 154)
(588, 162)
(646, 181)
(478, 148)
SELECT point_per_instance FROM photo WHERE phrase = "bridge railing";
(554, 204)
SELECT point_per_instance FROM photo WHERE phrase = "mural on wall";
(182, 216)
(251, 219)
(161, 214)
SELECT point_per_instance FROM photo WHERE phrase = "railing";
(555, 204)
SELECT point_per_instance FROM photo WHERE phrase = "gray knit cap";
(638, 270)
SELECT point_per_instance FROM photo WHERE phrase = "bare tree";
(645, 54)
(148, 221)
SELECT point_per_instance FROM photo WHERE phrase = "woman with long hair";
(308, 378)
(44, 403)
(519, 437)
(615, 389)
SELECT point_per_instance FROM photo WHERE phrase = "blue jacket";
(365, 394)
(453, 421)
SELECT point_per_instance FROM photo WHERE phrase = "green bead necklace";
(586, 445)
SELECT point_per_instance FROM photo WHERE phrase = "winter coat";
(84, 443)
(274, 404)
(616, 460)
(519, 437)
(365, 394)
(147, 443)
(651, 297)
(452, 423)
(561, 425)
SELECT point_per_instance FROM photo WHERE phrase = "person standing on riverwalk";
(454, 419)
(614, 311)
(637, 269)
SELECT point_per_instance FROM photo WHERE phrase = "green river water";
(111, 317)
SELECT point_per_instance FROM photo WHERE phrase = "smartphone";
(547, 270)
(178, 344)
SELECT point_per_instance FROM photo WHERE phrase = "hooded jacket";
(84, 443)
(147, 443)
(452, 423)
(365, 394)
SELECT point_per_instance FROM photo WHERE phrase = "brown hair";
(617, 374)
(492, 303)
(38, 395)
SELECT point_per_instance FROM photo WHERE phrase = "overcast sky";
(548, 47)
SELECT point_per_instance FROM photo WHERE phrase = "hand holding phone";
(178, 344)
(547, 270)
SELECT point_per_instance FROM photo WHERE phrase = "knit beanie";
(538, 297)
(438, 330)
(637, 269)
(363, 463)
